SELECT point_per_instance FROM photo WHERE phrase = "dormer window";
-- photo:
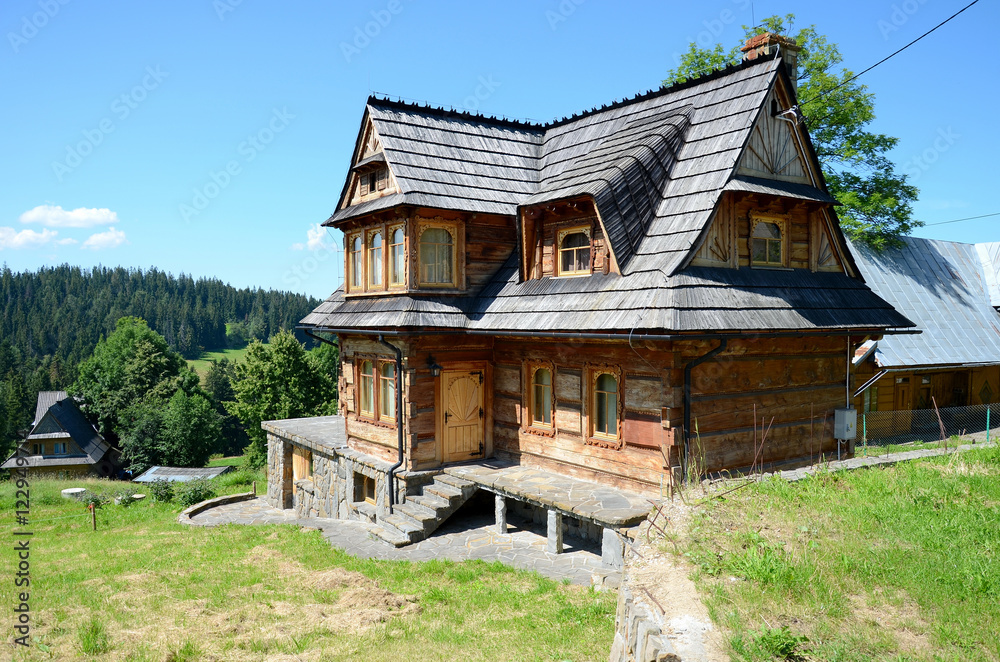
(574, 252)
(768, 242)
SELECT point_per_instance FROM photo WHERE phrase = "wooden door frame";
(463, 366)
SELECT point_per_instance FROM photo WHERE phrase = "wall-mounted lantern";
(434, 367)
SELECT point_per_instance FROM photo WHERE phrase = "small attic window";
(767, 243)
(376, 179)
(574, 252)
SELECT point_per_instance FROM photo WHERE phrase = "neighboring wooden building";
(62, 443)
(945, 287)
(574, 296)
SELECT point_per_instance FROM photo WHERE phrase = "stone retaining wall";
(188, 513)
(638, 632)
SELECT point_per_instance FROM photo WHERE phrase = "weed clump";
(161, 490)
(195, 491)
(94, 638)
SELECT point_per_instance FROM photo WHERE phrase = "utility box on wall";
(845, 424)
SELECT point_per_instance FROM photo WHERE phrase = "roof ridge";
(448, 112)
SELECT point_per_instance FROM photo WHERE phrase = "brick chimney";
(766, 43)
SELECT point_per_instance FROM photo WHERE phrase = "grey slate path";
(859, 462)
(463, 538)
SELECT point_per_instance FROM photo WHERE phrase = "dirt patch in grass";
(661, 578)
(898, 615)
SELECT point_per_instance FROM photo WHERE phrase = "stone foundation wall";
(317, 497)
(638, 632)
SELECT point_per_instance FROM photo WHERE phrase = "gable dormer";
(776, 149)
(370, 175)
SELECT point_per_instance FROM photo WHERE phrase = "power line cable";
(820, 96)
(959, 220)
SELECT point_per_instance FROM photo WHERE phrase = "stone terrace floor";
(462, 538)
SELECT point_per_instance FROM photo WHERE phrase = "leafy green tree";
(141, 444)
(876, 200)
(218, 380)
(133, 363)
(276, 381)
(191, 430)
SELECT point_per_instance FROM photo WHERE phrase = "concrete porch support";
(501, 513)
(612, 549)
(554, 545)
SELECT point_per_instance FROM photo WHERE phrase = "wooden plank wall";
(796, 382)
(645, 388)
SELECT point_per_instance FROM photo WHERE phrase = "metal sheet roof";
(940, 285)
(989, 256)
(179, 474)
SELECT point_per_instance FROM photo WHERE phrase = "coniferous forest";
(51, 321)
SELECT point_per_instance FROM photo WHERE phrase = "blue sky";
(211, 136)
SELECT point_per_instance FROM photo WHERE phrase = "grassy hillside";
(203, 362)
(144, 588)
(897, 563)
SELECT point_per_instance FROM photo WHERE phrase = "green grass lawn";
(203, 363)
(143, 587)
(895, 563)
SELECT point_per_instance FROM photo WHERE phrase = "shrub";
(195, 491)
(161, 490)
(125, 498)
(93, 499)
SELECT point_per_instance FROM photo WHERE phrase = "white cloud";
(11, 238)
(315, 239)
(54, 216)
(110, 239)
(67, 241)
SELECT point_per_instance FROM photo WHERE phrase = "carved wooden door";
(463, 415)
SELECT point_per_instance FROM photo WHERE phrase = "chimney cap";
(758, 44)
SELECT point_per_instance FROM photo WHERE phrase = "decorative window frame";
(370, 233)
(783, 222)
(455, 229)
(375, 416)
(385, 418)
(390, 229)
(593, 438)
(349, 238)
(557, 258)
(529, 424)
(60, 448)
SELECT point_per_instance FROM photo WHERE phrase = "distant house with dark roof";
(948, 290)
(616, 297)
(62, 442)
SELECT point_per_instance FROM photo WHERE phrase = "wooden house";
(615, 297)
(945, 288)
(62, 443)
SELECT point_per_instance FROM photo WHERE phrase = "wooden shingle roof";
(656, 166)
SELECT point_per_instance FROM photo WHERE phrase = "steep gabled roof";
(656, 166)
(45, 400)
(940, 285)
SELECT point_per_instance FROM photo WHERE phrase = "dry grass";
(153, 590)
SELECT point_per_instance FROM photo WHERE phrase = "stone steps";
(420, 515)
